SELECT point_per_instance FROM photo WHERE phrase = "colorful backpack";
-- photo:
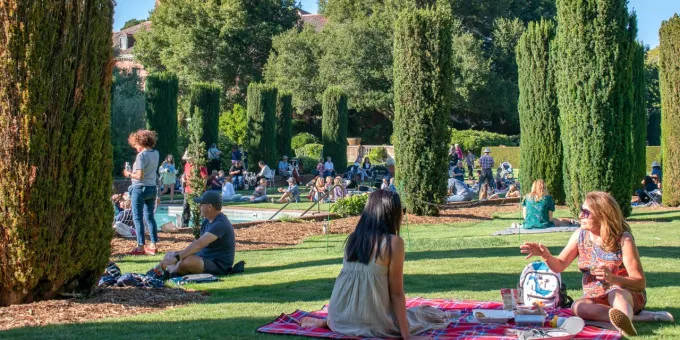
(540, 284)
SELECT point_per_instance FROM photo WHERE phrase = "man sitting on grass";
(290, 193)
(213, 252)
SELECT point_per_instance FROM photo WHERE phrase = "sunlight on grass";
(453, 261)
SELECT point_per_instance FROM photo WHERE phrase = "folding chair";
(654, 198)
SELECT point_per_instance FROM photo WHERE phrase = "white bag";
(540, 284)
(124, 230)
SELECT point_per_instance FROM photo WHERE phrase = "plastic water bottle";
(557, 321)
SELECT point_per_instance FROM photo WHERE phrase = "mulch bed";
(105, 303)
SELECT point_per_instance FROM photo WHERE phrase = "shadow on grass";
(218, 328)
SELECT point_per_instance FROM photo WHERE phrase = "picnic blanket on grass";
(515, 231)
(458, 329)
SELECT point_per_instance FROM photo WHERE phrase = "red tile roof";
(317, 20)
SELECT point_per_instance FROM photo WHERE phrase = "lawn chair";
(654, 198)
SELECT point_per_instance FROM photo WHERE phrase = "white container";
(492, 315)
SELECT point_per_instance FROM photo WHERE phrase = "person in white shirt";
(329, 169)
(265, 172)
(228, 193)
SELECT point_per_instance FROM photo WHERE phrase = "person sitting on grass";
(319, 168)
(656, 171)
(213, 252)
(319, 189)
(368, 299)
(458, 172)
(648, 185)
(512, 192)
(260, 193)
(538, 207)
(228, 192)
(485, 193)
(459, 191)
(214, 181)
(392, 187)
(290, 193)
(613, 279)
(385, 185)
(221, 177)
(339, 190)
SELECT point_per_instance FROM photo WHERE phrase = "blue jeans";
(237, 181)
(144, 199)
(459, 198)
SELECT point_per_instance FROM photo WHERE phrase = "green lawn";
(454, 261)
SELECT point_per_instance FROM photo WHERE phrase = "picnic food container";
(492, 315)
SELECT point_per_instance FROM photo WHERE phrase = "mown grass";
(453, 261)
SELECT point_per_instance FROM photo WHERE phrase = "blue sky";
(650, 14)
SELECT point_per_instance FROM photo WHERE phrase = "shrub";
(334, 126)
(423, 88)
(378, 156)
(539, 117)
(594, 89)
(284, 124)
(205, 99)
(161, 111)
(127, 115)
(639, 119)
(476, 140)
(261, 140)
(670, 108)
(308, 164)
(56, 66)
(234, 124)
(311, 151)
(303, 139)
(350, 206)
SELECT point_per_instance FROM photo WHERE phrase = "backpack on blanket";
(540, 284)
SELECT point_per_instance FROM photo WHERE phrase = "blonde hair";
(606, 211)
(319, 181)
(538, 190)
(512, 188)
(329, 179)
(337, 181)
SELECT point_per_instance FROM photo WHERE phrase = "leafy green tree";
(205, 105)
(639, 116)
(293, 66)
(334, 126)
(233, 124)
(127, 115)
(197, 153)
(132, 22)
(594, 87)
(541, 156)
(284, 124)
(423, 88)
(653, 97)
(54, 122)
(261, 135)
(226, 42)
(669, 67)
(161, 111)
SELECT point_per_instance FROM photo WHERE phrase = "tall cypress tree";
(55, 187)
(334, 127)
(594, 88)
(205, 97)
(422, 99)
(639, 156)
(284, 125)
(541, 156)
(161, 111)
(669, 81)
(261, 138)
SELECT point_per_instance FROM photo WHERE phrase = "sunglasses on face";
(585, 213)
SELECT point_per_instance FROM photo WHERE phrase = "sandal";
(622, 322)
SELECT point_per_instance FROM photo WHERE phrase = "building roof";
(130, 32)
(316, 20)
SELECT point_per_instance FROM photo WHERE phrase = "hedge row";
(475, 140)
(670, 107)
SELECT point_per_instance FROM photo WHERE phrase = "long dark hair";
(648, 180)
(381, 218)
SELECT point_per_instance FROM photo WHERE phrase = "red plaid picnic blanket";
(457, 330)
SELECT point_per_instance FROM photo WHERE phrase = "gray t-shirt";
(220, 251)
(147, 161)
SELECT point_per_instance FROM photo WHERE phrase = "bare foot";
(310, 322)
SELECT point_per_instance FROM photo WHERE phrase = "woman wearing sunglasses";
(613, 280)
(368, 298)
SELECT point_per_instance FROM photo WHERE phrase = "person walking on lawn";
(614, 284)
(368, 299)
(213, 252)
(143, 189)
(470, 160)
(486, 162)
